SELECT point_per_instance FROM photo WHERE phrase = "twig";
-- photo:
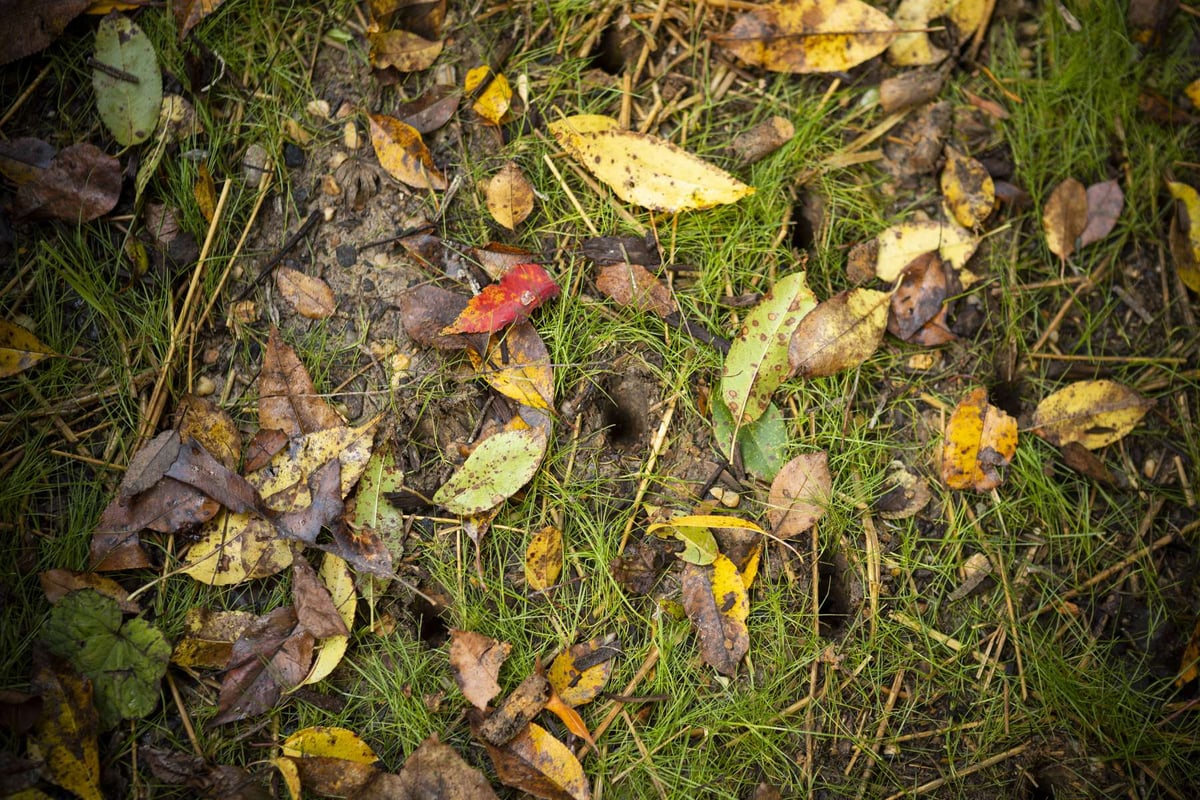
(615, 708)
(655, 447)
(183, 715)
(265, 270)
(570, 195)
(678, 322)
(113, 72)
(956, 774)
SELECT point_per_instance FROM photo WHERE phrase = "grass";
(827, 704)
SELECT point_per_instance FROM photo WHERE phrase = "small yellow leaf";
(1185, 234)
(509, 196)
(579, 673)
(19, 349)
(645, 170)
(234, 548)
(913, 48)
(543, 559)
(328, 742)
(705, 521)
(1092, 413)
(290, 775)
(403, 153)
(495, 101)
(968, 188)
(969, 16)
(311, 297)
(900, 244)
(208, 637)
(980, 439)
(205, 192)
(570, 717)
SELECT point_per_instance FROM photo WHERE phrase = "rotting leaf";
(435, 770)
(645, 170)
(315, 609)
(494, 101)
(517, 365)
(543, 559)
(303, 522)
(906, 492)
(337, 777)
(339, 581)
(839, 333)
(758, 358)
(518, 292)
(19, 349)
(234, 548)
(403, 154)
(509, 196)
(209, 636)
(404, 51)
(496, 258)
(287, 398)
(1185, 234)
(901, 244)
(496, 469)
(537, 763)
(64, 737)
(761, 140)
(605, 250)
(980, 440)
(1065, 217)
(205, 779)
(272, 655)
(427, 310)
(809, 35)
(1105, 201)
(311, 297)
(968, 188)
(33, 24)
(515, 711)
(431, 110)
(1093, 413)
(126, 80)
(81, 184)
(579, 673)
(475, 662)
(919, 298)
(58, 583)
(912, 47)
(327, 741)
(799, 495)
(716, 602)
(634, 285)
(201, 419)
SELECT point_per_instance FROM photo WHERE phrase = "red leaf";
(519, 291)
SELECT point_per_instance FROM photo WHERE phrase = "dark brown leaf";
(337, 777)
(910, 89)
(435, 772)
(149, 465)
(622, 250)
(189, 13)
(31, 25)
(81, 184)
(196, 467)
(634, 285)
(21, 160)
(287, 397)
(537, 763)
(431, 110)
(19, 712)
(57, 583)
(637, 569)
(426, 310)
(363, 549)
(265, 445)
(325, 488)
(763, 139)
(475, 662)
(271, 655)
(496, 258)
(315, 610)
(516, 711)
(166, 507)
(117, 550)
(214, 781)
(920, 296)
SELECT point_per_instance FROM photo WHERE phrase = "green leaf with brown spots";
(758, 358)
(127, 80)
(496, 470)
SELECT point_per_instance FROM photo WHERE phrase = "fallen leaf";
(287, 398)
(912, 47)
(431, 110)
(337, 777)
(401, 152)
(1189, 662)
(303, 521)
(1065, 217)
(645, 170)
(208, 637)
(809, 35)
(760, 443)
(33, 24)
(570, 718)
(207, 780)
(605, 250)
(909, 89)
(435, 772)
(758, 358)
(799, 495)
(968, 188)
(64, 737)
(21, 159)
(515, 711)
(579, 673)
(919, 298)
(496, 469)
(272, 655)
(901, 244)
(404, 51)
(315, 609)
(509, 196)
(58, 583)
(339, 581)
(81, 184)
(311, 297)
(126, 79)
(234, 548)
(905, 493)
(494, 101)
(761, 140)
(496, 259)
(427, 310)
(1093, 413)
(263, 447)
(327, 741)
(634, 285)
(1185, 234)
(202, 419)
(969, 16)
(475, 662)
(543, 559)
(189, 13)
(716, 602)
(517, 365)
(518, 292)
(980, 440)
(1105, 202)
(699, 545)
(370, 507)
(205, 192)
(839, 333)
(19, 349)
(537, 763)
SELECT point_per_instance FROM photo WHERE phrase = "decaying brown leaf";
(208, 637)
(272, 655)
(205, 779)
(920, 298)
(905, 492)
(908, 89)
(716, 602)
(57, 583)
(839, 333)
(81, 183)
(426, 310)
(287, 397)
(311, 297)
(35, 24)
(189, 13)
(634, 285)
(65, 736)
(516, 711)
(404, 51)
(431, 110)
(315, 610)
(799, 495)
(1065, 217)
(509, 196)
(968, 188)
(980, 440)
(475, 661)
(537, 763)
(763, 139)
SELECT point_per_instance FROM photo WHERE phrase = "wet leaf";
(716, 602)
(431, 110)
(839, 333)
(189, 13)
(968, 188)
(537, 763)
(336, 777)
(543, 559)
(370, 507)
(58, 583)
(1093, 413)
(912, 48)
(324, 741)
(699, 545)
(809, 35)
(31, 25)
(303, 521)
(579, 673)
(403, 50)
(800, 494)
(208, 637)
(272, 655)
(64, 737)
(339, 581)
(401, 152)
(645, 170)
(205, 192)
(475, 662)
(919, 298)
(1185, 234)
(201, 419)
(905, 492)
(21, 159)
(634, 285)
(207, 780)
(496, 470)
(315, 609)
(518, 292)
(428, 310)
(758, 358)
(287, 398)
(128, 103)
(760, 442)
(515, 711)
(901, 244)
(517, 365)
(980, 440)
(509, 196)
(81, 184)
(1065, 217)
(19, 349)
(234, 548)
(1105, 202)
(494, 102)
(125, 660)
(311, 297)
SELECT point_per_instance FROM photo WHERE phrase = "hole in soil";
(833, 598)
(608, 54)
(1008, 396)
(431, 628)
(622, 428)
(804, 235)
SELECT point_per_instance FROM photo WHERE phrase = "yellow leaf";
(1192, 90)
(205, 192)
(208, 637)
(509, 196)
(290, 775)
(534, 757)
(403, 153)
(749, 567)
(234, 548)
(323, 741)
(717, 604)
(579, 673)
(495, 100)
(968, 188)
(570, 717)
(979, 440)
(809, 35)
(339, 580)
(839, 334)
(517, 365)
(1092, 413)
(19, 349)
(543, 559)
(1185, 234)
(900, 244)
(705, 521)
(913, 48)
(65, 734)
(646, 170)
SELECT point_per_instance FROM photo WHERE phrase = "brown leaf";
(920, 296)
(265, 445)
(113, 550)
(435, 771)
(715, 600)
(311, 297)
(936, 331)
(337, 777)
(189, 13)
(196, 467)
(839, 333)
(799, 495)
(606, 250)
(31, 25)
(763, 139)
(516, 711)
(315, 610)
(509, 196)
(634, 285)
(905, 493)
(167, 507)
(537, 763)
(208, 780)
(1104, 204)
(403, 154)
(81, 184)
(287, 398)
(404, 51)
(57, 583)
(980, 439)
(496, 258)
(150, 464)
(363, 549)
(22, 159)
(426, 310)
(475, 662)
(325, 488)
(1065, 217)
(272, 655)
(431, 110)
(910, 89)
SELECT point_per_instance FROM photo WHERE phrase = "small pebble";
(347, 255)
(293, 156)
(205, 386)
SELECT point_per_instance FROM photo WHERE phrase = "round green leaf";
(127, 80)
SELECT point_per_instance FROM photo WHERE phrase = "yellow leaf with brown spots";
(716, 602)
(1092, 413)
(403, 153)
(840, 333)
(64, 738)
(579, 673)
(543, 559)
(322, 741)
(968, 188)
(980, 440)
(1185, 234)
(19, 349)
(495, 99)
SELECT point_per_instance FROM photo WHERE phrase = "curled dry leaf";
(509, 196)
(839, 333)
(809, 35)
(19, 349)
(537, 763)
(968, 188)
(543, 558)
(402, 50)
(401, 152)
(311, 297)
(980, 440)
(645, 170)
(716, 602)
(515, 296)
(1065, 217)
(475, 662)
(634, 285)
(1093, 413)
(799, 495)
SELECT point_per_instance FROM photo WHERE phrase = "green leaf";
(126, 661)
(496, 470)
(371, 506)
(699, 545)
(127, 80)
(758, 358)
(761, 442)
